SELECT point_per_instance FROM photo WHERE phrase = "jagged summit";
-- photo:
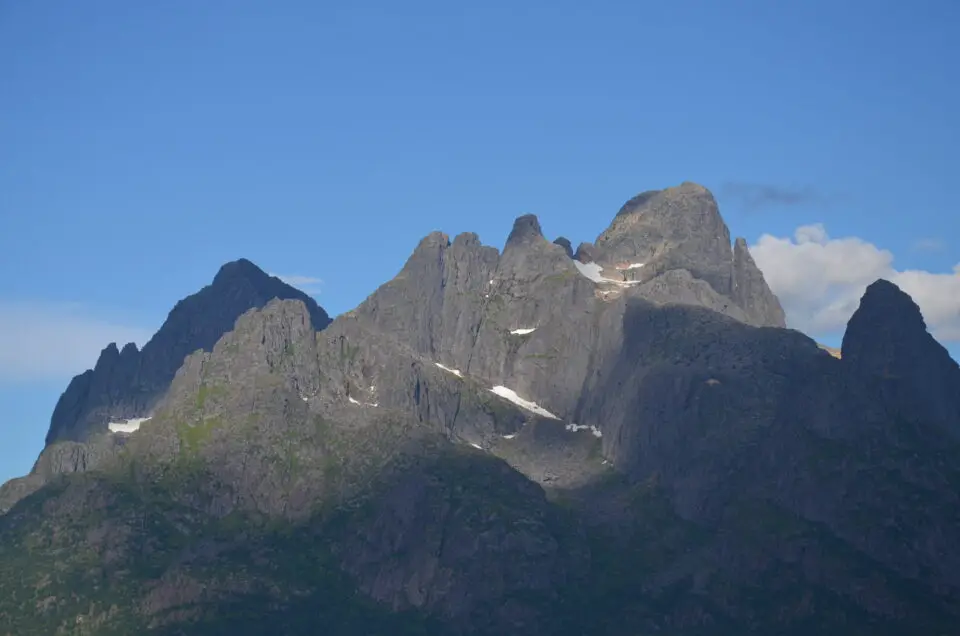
(883, 297)
(675, 228)
(526, 229)
(241, 268)
(887, 340)
(504, 443)
(676, 244)
(565, 243)
(129, 349)
(668, 246)
(126, 384)
(886, 314)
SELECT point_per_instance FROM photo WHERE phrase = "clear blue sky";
(143, 144)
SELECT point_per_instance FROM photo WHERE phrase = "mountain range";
(619, 439)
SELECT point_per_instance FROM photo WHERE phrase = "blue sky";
(146, 143)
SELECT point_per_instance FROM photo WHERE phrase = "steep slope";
(381, 499)
(543, 325)
(912, 374)
(519, 443)
(675, 243)
(125, 384)
(253, 486)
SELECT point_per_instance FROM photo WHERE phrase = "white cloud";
(307, 284)
(49, 341)
(819, 281)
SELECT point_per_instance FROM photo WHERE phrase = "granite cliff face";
(887, 342)
(676, 244)
(126, 383)
(619, 440)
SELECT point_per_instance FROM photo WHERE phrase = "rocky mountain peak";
(676, 228)
(467, 240)
(526, 229)
(674, 246)
(888, 322)
(108, 354)
(887, 340)
(503, 443)
(586, 253)
(239, 269)
(565, 243)
(129, 350)
(127, 384)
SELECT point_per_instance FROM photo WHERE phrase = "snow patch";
(455, 372)
(533, 407)
(127, 426)
(510, 436)
(524, 331)
(358, 403)
(477, 446)
(635, 265)
(590, 270)
(573, 428)
(593, 272)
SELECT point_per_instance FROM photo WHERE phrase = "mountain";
(125, 385)
(621, 439)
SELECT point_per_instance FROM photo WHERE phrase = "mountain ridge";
(195, 322)
(531, 440)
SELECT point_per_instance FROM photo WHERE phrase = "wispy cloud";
(49, 341)
(758, 196)
(308, 284)
(927, 245)
(820, 279)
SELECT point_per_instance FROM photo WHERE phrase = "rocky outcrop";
(676, 228)
(676, 243)
(525, 442)
(751, 292)
(421, 547)
(888, 345)
(61, 458)
(127, 383)
(565, 244)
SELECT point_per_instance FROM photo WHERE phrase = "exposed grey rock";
(912, 374)
(61, 458)
(676, 228)
(127, 384)
(526, 229)
(695, 471)
(565, 244)
(678, 286)
(586, 253)
(750, 290)
(683, 244)
(418, 547)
